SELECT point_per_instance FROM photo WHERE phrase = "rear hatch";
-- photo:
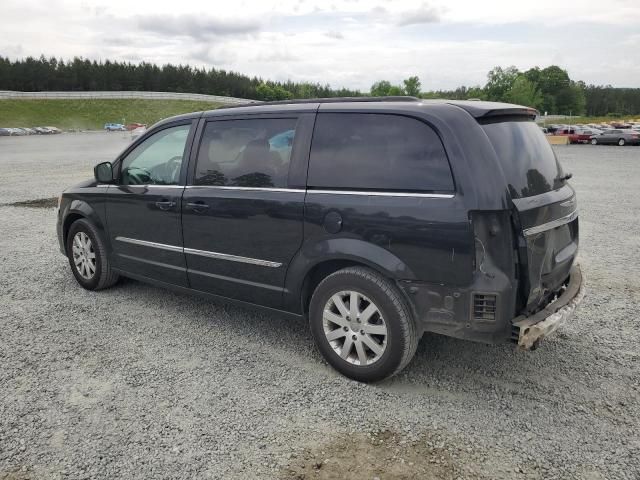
(545, 208)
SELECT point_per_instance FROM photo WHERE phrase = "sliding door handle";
(165, 204)
(197, 206)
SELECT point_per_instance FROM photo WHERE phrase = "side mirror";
(103, 172)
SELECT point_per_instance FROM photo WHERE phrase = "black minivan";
(376, 220)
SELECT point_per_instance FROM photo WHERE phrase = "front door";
(242, 218)
(143, 210)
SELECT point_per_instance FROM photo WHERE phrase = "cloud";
(335, 34)
(196, 26)
(421, 15)
(302, 40)
(405, 15)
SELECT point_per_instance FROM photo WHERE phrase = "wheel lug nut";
(346, 329)
(354, 337)
(361, 332)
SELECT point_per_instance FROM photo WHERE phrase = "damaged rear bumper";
(528, 331)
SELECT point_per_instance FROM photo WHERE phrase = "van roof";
(477, 109)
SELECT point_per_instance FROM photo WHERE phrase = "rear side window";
(377, 152)
(246, 153)
(528, 161)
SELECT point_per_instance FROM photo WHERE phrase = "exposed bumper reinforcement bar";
(532, 329)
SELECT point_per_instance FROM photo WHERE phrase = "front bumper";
(529, 331)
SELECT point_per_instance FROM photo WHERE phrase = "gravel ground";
(137, 382)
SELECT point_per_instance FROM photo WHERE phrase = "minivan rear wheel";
(362, 324)
(88, 257)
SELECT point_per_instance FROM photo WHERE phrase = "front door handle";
(165, 204)
(198, 206)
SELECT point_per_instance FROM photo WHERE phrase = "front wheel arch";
(68, 221)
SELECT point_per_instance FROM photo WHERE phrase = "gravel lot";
(138, 382)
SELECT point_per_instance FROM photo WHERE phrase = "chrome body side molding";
(203, 253)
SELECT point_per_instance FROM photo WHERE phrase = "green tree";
(499, 82)
(396, 90)
(381, 88)
(412, 86)
(524, 92)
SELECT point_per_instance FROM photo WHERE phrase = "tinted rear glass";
(377, 152)
(528, 161)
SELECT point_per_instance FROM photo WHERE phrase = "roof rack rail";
(391, 98)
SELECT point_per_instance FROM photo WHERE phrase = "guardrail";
(9, 94)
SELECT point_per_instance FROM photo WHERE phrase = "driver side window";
(157, 160)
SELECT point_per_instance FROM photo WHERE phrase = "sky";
(347, 43)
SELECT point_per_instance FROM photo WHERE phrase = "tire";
(594, 141)
(96, 273)
(621, 142)
(370, 356)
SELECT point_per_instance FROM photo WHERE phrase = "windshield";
(528, 161)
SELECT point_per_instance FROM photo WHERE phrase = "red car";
(575, 135)
(133, 126)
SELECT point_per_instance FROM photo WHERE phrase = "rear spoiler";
(493, 111)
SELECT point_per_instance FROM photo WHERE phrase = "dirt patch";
(385, 455)
(18, 473)
(37, 203)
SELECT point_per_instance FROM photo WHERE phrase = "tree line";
(51, 74)
(548, 89)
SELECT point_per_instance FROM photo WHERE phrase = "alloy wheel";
(354, 327)
(84, 255)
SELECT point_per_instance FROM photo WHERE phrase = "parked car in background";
(133, 126)
(46, 130)
(5, 132)
(138, 131)
(114, 127)
(620, 125)
(374, 219)
(575, 135)
(616, 137)
(552, 129)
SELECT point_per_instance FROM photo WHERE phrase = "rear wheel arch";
(400, 332)
(306, 270)
(319, 272)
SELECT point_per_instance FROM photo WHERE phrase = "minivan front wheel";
(621, 142)
(362, 324)
(88, 257)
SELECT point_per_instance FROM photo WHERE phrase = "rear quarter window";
(377, 152)
(528, 162)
